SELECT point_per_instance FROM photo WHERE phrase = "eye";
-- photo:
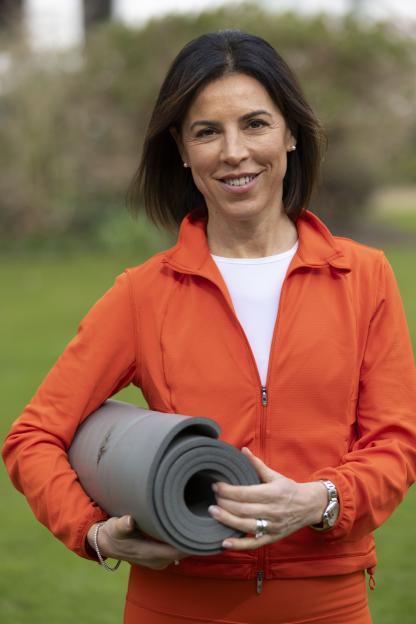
(206, 132)
(255, 124)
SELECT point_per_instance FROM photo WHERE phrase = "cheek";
(203, 162)
(280, 156)
(282, 161)
(271, 151)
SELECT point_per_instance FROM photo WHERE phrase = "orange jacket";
(340, 400)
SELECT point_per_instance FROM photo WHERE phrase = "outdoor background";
(72, 119)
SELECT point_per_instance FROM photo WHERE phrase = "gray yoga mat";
(159, 468)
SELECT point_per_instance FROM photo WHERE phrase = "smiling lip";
(243, 188)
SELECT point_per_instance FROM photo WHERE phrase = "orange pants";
(169, 599)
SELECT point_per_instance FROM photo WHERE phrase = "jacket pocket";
(352, 424)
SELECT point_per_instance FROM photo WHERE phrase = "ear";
(290, 143)
(179, 143)
(290, 139)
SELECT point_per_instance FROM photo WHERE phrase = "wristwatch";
(330, 515)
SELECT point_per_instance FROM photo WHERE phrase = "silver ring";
(261, 527)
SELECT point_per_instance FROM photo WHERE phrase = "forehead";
(229, 96)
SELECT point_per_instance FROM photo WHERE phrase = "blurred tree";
(71, 139)
(11, 13)
(357, 6)
(96, 11)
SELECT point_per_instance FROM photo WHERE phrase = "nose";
(234, 148)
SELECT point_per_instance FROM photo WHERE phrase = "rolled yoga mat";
(159, 468)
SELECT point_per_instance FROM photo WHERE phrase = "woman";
(292, 339)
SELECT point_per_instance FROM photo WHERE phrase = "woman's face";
(235, 140)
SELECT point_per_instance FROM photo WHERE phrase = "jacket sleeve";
(97, 363)
(380, 464)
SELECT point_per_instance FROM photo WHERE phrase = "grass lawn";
(43, 583)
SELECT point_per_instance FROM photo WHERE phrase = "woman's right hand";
(119, 538)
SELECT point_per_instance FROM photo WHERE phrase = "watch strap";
(331, 511)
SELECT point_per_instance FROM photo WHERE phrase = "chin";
(244, 210)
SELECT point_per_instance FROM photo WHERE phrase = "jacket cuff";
(347, 511)
(82, 547)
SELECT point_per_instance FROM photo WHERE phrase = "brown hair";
(167, 189)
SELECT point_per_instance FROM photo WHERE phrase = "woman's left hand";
(285, 504)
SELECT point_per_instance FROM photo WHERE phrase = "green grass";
(400, 220)
(395, 208)
(403, 262)
(40, 581)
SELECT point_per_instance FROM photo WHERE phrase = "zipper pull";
(264, 396)
(371, 579)
(259, 581)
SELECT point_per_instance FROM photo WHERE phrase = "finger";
(245, 525)
(245, 510)
(156, 550)
(156, 564)
(242, 493)
(146, 552)
(265, 473)
(161, 564)
(247, 543)
(121, 528)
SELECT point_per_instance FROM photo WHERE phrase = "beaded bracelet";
(97, 550)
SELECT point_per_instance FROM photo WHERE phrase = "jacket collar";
(317, 247)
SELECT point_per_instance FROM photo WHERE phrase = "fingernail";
(213, 510)
(227, 544)
(246, 449)
(215, 487)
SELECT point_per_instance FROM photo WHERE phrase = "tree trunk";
(96, 11)
(11, 12)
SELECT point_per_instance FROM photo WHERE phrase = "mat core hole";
(198, 492)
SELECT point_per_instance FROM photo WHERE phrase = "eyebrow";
(211, 122)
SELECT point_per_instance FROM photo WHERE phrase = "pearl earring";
(185, 164)
(292, 148)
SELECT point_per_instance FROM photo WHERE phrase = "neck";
(251, 238)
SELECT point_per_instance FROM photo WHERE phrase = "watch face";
(331, 513)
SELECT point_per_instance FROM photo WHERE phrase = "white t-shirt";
(254, 285)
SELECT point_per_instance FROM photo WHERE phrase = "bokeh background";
(77, 83)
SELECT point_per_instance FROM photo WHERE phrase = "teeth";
(240, 181)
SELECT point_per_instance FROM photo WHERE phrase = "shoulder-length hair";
(162, 183)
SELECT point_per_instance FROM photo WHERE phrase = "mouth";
(240, 183)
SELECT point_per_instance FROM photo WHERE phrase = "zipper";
(263, 388)
(264, 403)
(264, 397)
(259, 581)
(227, 298)
(264, 400)
(260, 552)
